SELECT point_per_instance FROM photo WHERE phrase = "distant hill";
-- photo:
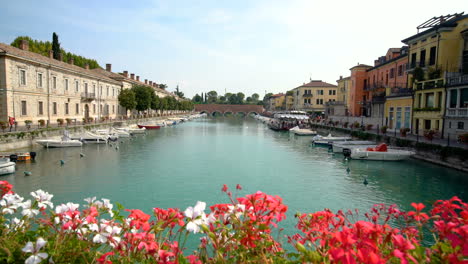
(43, 48)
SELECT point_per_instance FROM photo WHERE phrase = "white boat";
(302, 131)
(132, 130)
(381, 152)
(107, 133)
(328, 140)
(90, 138)
(7, 166)
(120, 133)
(338, 146)
(64, 142)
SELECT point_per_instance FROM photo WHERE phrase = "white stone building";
(35, 87)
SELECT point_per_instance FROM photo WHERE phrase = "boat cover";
(380, 148)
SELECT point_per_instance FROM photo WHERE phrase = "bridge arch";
(216, 112)
(228, 112)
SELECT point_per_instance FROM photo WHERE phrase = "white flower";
(28, 210)
(90, 200)
(10, 202)
(36, 257)
(106, 231)
(43, 199)
(107, 204)
(63, 208)
(237, 210)
(198, 217)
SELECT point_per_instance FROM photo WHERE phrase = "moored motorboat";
(149, 126)
(7, 166)
(63, 142)
(338, 146)
(328, 140)
(380, 152)
(90, 138)
(302, 131)
(19, 156)
(133, 130)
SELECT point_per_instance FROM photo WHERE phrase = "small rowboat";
(149, 126)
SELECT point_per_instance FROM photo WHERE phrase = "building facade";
(435, 55)
(44, 90)
(312, 96)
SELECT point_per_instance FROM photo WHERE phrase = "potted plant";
(60, 121)
(356, 125)
(3, 125)
(369, 126)
(41, 122)
(28, 123)
(429, 134)
(404, 131)
(69, 121)
(383, 129)
(463, 138)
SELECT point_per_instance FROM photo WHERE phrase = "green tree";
(212, 97)
(155, 101)
(222, 99)
(142, 97)
(162, 86)
(232, 99)
(197, 99)
(290, 93)
(249, 100)
(55, 46)
(179, 93)
(255, 97)
(127, 99)
(240, 98)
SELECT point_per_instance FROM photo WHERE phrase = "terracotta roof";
(317, 83)
(120, 77)
(277, 95)
(10, 50)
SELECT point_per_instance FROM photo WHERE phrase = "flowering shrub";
(241, 231)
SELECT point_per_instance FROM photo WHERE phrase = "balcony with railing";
(330, 103)
(307, 95)
(88, 96)
(430, 84)
(457, 112)
(455, 79)
(398, 91)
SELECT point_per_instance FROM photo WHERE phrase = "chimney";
(108, 67)
(341, 77)
(132, 76)
(154, 84)
(86, 66)
(24, 44)
(146, 81)
(151, 83)
(125, 74)
(71, 61)
(138, 78)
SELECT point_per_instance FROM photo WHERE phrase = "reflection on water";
(177, 166)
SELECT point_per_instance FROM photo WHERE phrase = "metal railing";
(430, 84)
(391, 84)
(90, 96)
(457, 79)
(396, 91)
(457, 112)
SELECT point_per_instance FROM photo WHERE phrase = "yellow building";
(434, 55)
(277, 102)
(313, 96)
(289, 100)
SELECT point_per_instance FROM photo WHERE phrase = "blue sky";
(241, 45)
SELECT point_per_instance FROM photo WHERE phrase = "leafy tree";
(255, 97)
(240, 98)
(249, 100)
(197, 99)
(55, 46)
(212, 97)
(222, 99)
(232, 99)
(179, 93)
(127, 99)
(43, 48)
(289, 93)
(143, 97)
(155, 101)
(162, 86)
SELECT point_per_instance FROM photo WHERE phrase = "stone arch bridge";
(223, 109)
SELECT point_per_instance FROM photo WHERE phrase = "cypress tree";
(55, 46)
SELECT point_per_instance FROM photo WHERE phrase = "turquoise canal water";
(178, 166)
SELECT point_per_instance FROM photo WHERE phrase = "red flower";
(102, 259)
(238, 187)
(225, 188)
(140, 219)
(5, 188)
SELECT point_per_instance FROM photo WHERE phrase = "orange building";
(358, 99)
